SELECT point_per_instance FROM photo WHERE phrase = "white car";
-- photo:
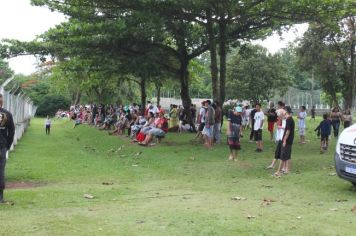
(345, 156)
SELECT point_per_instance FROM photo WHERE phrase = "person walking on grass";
(324, 131)
(48, 124)
(234, 132)
(258, 127)
(302, 115)
(7, 133)
(288, 138)
(347, 119)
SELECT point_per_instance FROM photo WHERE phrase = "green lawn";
(176, 188)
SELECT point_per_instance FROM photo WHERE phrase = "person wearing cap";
(258, 127)
(234, 132)
(287, 142)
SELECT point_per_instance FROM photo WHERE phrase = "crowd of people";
(145, 125)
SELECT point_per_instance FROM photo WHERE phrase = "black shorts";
(286, 152)
(201, 127)
(324, 137)
(277, 153)
(258, 135)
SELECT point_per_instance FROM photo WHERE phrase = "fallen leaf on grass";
(267, 186)
(238, 198)
(192, 158)
(332, 174)
(341, 200)
(107, 183)
(137, 154)
(88, 196)
(267, 201)
(333, 209)
(134, 165)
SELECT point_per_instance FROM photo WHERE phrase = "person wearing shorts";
(301, 124)
(324, 130)
(234, 132)
(258, 127)
(271, 119)
(288, 138)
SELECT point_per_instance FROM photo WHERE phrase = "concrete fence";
(21, 107)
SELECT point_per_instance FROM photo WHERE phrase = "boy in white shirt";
(302, 115)
(258, 127)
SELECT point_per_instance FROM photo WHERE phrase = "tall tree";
(329, 47)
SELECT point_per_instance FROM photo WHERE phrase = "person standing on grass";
(288, 138)
(48, 124)
(258, 127)
(271, 119)
(302, 115)
(208, 130)
(7, 133)
(335, 120)
(252, 122)
(281, 125)
(234, 132)
(347, 119)
(324, 130)
(312, 113)
(201, 120)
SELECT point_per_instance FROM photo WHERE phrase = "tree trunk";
(222, 54)
(158, 90)
(143, 93)
(213, 58)
(184, 91)
(77, 97)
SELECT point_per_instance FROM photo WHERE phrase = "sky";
(19, 20)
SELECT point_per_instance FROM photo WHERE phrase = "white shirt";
(280, 131)
(202, 114)
(47, 122)
(259, 117)
(301, 121)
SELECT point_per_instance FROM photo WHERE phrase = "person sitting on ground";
(150, 123)
(184, 127)
(159, 131)
(137, 125)
(324, 131)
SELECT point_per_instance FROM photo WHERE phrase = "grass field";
(176, 188)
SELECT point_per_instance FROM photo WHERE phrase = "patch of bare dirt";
(22, 185)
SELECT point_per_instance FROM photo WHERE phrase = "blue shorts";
(208, 131)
